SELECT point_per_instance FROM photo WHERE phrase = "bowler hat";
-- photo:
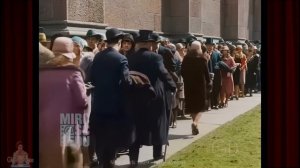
(156, 37)
(93, 33)
(113, 33)
(146, 36)
(135, 35)
(41, 30)
(209, 41)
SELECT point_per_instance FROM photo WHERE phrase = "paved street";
(181, 136)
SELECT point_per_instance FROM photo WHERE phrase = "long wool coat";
(227, 77)
(109, 120)
(195, 75)
(61, 92)
(151, 119)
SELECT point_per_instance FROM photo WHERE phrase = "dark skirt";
(236, 76)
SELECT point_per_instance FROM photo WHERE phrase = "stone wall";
(50, 10)
(133, 14)
(257, 20)
(210, 17)
(195, 14)
(86, 10)
(245, 18)
(230, 19)
(175, 16)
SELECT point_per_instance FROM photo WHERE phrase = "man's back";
(151, 64)
(108, 72)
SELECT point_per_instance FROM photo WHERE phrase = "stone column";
(257, 20)
(241, 19)
(71, 17)
(229, 19)
(245, 14)
(175, 16)
(209, 20)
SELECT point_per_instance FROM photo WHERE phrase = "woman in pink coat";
(62, 101)
(227, 78)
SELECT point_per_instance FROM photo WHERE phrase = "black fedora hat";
(135, 35)
(156, 37)
(146, 36)
(190, 39)
(209, 41)
(93, 33)
(113, 33)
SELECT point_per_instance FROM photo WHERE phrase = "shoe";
(123, 151)
(195, 130)
(174, 125)
(221, 105)
(226, 103)
(236, 97)
(215, 107)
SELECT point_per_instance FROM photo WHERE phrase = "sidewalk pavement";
(181, 136)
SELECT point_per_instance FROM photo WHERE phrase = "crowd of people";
(119, 91)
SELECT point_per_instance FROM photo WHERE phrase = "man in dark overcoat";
(109, 121)
(151, 120)
(215, 57)
(170, 64)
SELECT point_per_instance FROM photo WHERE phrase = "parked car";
(216, 40)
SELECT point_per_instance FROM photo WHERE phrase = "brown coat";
(195, 74)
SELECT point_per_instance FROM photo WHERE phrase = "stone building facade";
(230, 19)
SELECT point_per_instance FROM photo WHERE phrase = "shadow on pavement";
(184, 118)
(145, 164)
(172, 136)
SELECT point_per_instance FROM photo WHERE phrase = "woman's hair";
(195, 48)
(194, 53)
(19, 143)
(239, 55)
(203, 48)
(132, 49)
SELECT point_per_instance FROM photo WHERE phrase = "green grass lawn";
(236, 144)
